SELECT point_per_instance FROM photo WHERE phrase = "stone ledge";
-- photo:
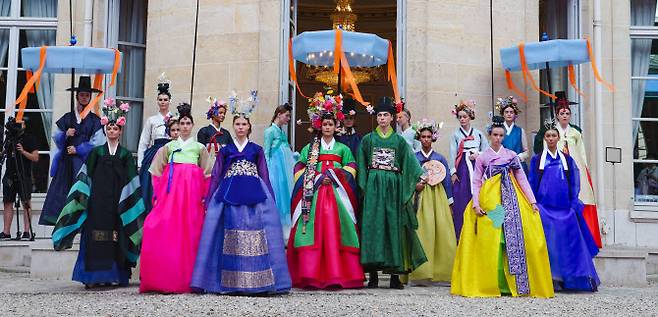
(14, 253)
(622, 267)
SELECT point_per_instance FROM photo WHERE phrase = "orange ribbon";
(392, 75)
(596, 70)
(512, 86)
(29, 86)
(527, 77)
(98, 80)
(339, 55)
(291, 69)
(572, 79)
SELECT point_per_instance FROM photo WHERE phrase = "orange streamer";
(338, 50)
(29, 86)
(595, 70)
(572, 79)
(392, 75)
(98, 82)
(527, 77)
(512, 86)
(28, 75)
(349, 79)
(291, 69)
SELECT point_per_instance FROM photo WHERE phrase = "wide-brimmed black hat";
(84, 85)
(385, 104)
(349, 105)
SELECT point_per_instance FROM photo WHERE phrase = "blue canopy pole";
(544, 37)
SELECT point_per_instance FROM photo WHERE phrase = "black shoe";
(395, 282)
(27, 236)
(373, 281)
(5, 236)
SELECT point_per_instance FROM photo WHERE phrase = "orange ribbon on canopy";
(32, 80)
(291, 69)
(527, 77)
(98, 81)
(341, 64)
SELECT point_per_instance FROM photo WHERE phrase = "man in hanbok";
(388, 173)
(74, 137)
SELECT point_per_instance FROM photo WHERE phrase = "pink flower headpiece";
(113, 113)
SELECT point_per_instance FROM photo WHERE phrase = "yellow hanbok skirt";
(436, 233)
(475, 271)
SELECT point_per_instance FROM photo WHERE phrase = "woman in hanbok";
(555, 181)
(241, 249)
(213, 136)
(106, 206)
(571, 143)
(433, 199)
(153, 137)
(406, 130)
(280, 161)
(515, 137)
(465, 146)
(347, 133)
(323, 249)
(181, 172)
(502, 249)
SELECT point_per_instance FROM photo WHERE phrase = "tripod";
(9, 149)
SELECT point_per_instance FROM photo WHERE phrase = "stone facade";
(447, 59)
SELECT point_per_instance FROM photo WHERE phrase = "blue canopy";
(62, 59)
(557, 53)
(361, 49)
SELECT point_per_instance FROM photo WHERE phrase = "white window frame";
(15, 23)
(113, 10)
(643, 32)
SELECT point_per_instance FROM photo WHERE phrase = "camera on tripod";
(13, 131)
(16, 180)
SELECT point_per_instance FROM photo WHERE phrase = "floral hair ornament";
(113, 114)
(430, 125)
(243, 108)
(507, 102)
(467, 106)
(322, 105)
(215, 104)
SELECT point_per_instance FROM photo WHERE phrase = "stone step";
(652, 279)
(15, 253)
(15, 269)
(652, 263)
(619, 266)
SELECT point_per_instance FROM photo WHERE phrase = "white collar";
(240, 146)
(499, 150)
(467, 133)
(508, 128)
(112, 149)
(427, 155)
(216, 128)
(328, 146)
(563, 159)
(563, 132)
(184, 142)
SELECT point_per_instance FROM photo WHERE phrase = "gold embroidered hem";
(245, 242)
(240, 279)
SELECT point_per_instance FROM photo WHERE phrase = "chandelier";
(343, 18)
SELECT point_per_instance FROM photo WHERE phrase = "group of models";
(221, 214)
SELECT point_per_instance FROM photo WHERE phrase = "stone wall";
(237, 48)
(449, 58)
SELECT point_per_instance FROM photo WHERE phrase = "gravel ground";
(22, 296)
